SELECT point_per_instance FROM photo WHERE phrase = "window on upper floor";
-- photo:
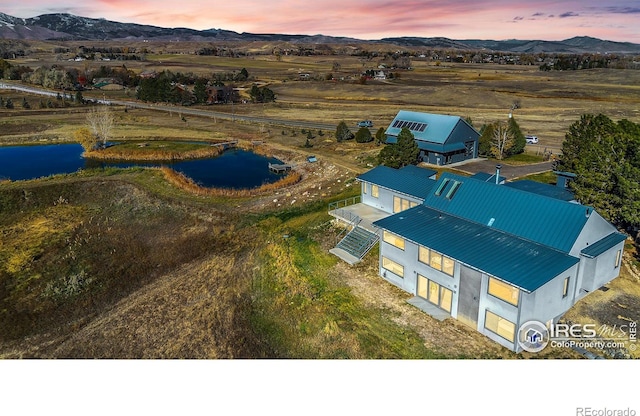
(618, 258)
(436, 260)
(565, 287)
(374, 191)
(503, 291)
(401, 204)
(393, 239)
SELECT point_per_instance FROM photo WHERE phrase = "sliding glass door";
(435, 293)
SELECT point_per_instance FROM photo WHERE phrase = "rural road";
(182, 110)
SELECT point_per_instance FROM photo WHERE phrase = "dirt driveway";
(510, 172)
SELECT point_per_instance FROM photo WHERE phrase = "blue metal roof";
(603, 245)
(410, 180)
(545, 189)
(432, 147)
(421, 172)
(518, 261)
(548, 221)
(439, 129)
(487, 177)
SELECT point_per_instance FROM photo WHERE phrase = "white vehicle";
(531, 139)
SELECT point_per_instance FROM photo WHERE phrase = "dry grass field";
(549, 101)
(125, 264)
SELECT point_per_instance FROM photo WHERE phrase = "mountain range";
(62, 26)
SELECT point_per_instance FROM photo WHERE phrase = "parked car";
(365, 123)
(531, 139)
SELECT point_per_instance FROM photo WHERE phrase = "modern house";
(384, 191)
(442, 139)
(490, 255)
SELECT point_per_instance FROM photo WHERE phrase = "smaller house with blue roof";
(442, 139)
(491, 255)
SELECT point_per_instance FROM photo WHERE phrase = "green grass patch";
(303, 308)
(524, 159)
(544, 177)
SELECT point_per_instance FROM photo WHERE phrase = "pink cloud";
(367, 19)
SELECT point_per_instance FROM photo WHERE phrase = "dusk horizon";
(371, 19)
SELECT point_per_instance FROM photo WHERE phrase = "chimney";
(498, 174)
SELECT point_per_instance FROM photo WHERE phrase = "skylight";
(441, 186)
(453, 190)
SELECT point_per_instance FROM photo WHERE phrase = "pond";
(237, 169)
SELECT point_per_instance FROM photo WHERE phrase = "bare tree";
(501, 140)
(101, 123)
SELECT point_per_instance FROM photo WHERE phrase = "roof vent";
(491, 221)
(498, 167)
(587, 213)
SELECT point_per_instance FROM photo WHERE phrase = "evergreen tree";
(243, 75)
(404, 152)
(380, 136)
(363, 135)
(261, 94)
(343, 133)
(605, 156)
(519, 141)
(484, 142)
(200, 91)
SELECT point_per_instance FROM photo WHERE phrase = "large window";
(447, 265)
(374, 191)
(393, 239)
(499, 325)
(436, 260)
(393, 267)
(401, 204)
(423, 254)
(503, 291)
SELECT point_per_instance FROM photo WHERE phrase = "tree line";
(605, 156)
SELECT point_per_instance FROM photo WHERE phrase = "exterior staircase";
(355, 245)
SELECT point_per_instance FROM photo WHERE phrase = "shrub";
(363, 135)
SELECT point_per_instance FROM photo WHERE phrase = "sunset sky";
(617, 20)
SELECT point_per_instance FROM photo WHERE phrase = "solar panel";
(411, 125)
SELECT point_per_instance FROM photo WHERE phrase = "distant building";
(493, 256)
(109, 84)
(442, 139)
